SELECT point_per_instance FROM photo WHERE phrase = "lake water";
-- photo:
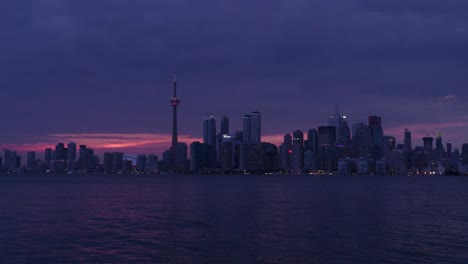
(233, 219)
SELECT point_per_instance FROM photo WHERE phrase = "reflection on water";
(233, 219)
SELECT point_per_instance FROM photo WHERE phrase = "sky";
(99, 72)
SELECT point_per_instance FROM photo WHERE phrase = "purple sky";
(87, 69)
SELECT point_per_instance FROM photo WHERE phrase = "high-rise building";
(326, 135)
(71, 149)
(439, 145)
(326, 154)
(297, 155)
(224, 125)
(361, 140)
(226, 153)
(377, 137)
(343, 134)
(209, 130)
(449, 150)
(152, 163)
(256, 128)
(389, 143)
(247, 129)
(48, 155)
(407, 144)
(285, 152)
(428, 145)
(298, 137)
(312, 140)
(141, 163)
(60, 152)
(9, 160)
(31, 159)
(464, 155)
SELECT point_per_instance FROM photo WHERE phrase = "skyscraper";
(428, 145)
(209, 130)
(247, 129)
(464, 155)
(297, 155)
(60, 152)
(343, 134)
(31, 158)
(71, 155)
(377, 137)
(256, 126)
(209, 138)
(312, 140)
(224, 126)
(407, 144)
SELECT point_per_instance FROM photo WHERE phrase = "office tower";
(377, 138)
(407, 143)
(199, 156)
(224, 129)
(209, 138)
(9, 160)
(127, 166)
(439, 145)
(389, 143)
(31, 159)
(297, 155)
(428, 145)
(312, 140)
(261, 158)
(48, 155)
(117, 161)
(256, 128)
(71, 149)
(326, 153)
(355, 128)
(439, 148)
(18, 161)
(141, 163)
(270, 158)
(285, 152)
(209, 130)
(464, 155)
(247, 129)
(310, 161)
(326, 135)
(108, 162)
(152, 163)
(60, 152)
(181, 157)
(360, 141)
(175, 102)
(343, 135)
(298, 137)
(226, 152)
(449, 150)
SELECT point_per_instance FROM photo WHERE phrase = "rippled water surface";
(233, 219)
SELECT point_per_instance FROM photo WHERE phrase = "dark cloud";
(85, 66)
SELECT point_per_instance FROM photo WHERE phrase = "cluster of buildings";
(69, 158)
(337, 148)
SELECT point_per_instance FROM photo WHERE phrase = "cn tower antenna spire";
(175, 102)
(175, 85)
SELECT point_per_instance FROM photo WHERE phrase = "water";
(233, 219)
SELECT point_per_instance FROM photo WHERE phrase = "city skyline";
(138, 143)
(70, 73)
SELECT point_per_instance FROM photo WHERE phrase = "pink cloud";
(102, 142)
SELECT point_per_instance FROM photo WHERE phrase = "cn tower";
(175, 102)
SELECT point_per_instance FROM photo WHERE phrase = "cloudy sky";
(99, 72)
